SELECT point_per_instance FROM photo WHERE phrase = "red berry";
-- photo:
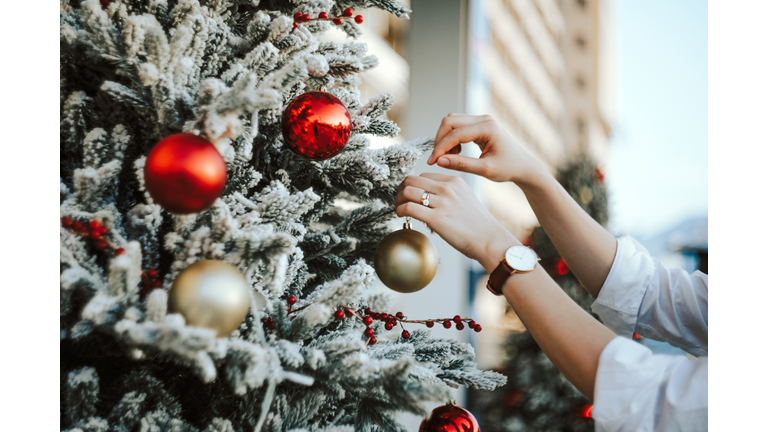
(271, 325)
(399, 315)
(368, 311)
(478, 328)
(447, 323)
(157, 284)
(406, 334)
(348, 12)
(359, 19)
(367, 320)
(373, 340)
(339, 314)
(152, 273)
(295, 25)
(291, 300)
(77, 226)
(101, 245)
(389, 326)
(305, 18)
(430, 324)
(349, 313)
(368, 332)
(264, 320)
(472, 324)
(119, 251)
(323, 15)
(298, 16)
(459, 326)
(457, 319)
(337, 21)
(384, 316)
(66, 222)
(95, 225)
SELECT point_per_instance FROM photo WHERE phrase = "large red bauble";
(316, 125)
(450, 418)
(185, 173)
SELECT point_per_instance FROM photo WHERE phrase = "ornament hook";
(407, 224)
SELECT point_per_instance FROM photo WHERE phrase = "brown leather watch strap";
(497, 278)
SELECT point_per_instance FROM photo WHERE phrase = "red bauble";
(185, 173)
(450, 418)
(316, 125)
(562, 267)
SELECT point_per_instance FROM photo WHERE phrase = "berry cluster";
(267, 323)
(368, 316)
(299, 17)
(93, 230)
(149, 282)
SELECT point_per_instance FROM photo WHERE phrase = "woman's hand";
(502, 159)
(456, 215)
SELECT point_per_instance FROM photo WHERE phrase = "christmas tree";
(312, 350)
(537, 397)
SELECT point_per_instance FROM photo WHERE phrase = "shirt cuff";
(620, 298)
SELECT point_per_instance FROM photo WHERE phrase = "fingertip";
(444, 162)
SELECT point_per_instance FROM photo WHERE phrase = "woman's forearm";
(587, 247)
(568, 335)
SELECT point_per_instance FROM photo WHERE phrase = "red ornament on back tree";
(185, 173)
(316, 125)
(450, 418)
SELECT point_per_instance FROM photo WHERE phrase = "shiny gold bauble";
(211, 294)
(405, 260)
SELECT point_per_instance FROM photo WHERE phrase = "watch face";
(521, 258)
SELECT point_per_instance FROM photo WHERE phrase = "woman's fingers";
(449, 123)
(416, 211)
(414, 194)
(477, 132)
(463, 163)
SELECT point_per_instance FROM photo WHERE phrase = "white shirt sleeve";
(637, 390)
(640, 295)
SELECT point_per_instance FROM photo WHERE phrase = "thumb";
(462, 163)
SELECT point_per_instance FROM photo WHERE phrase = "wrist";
(495, 250)
(534, 176)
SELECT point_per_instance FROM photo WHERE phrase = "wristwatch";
(517, 259)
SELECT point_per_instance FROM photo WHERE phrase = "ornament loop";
(407, 224)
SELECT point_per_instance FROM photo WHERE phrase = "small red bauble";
(359, 19)
(316, 125)
(459, 326)
(295, 25)
(584, 411)
(305, 17)
(406, 334)
(472, 324)
(349, 313)
(430, 324)
(384, 316)
(373, 340)
(337, 21)
(562, 267)
(478, 328)
(389, 326)
(323, 15)
(298, 16)
(450, 418)
(367, 320)
(119, 251)
(185, 173)
(399, 315)
(457, 319)
(66, 222)
(291, 300)
(368, 332)
(339, 314)
(447, 323)
(101, 245)
(348, 12)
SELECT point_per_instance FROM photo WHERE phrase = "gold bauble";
(405, 260)
(211, 294)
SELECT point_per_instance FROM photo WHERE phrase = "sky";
(657, 166)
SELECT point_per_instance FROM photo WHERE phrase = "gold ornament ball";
(211, 294)
(405, 260)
